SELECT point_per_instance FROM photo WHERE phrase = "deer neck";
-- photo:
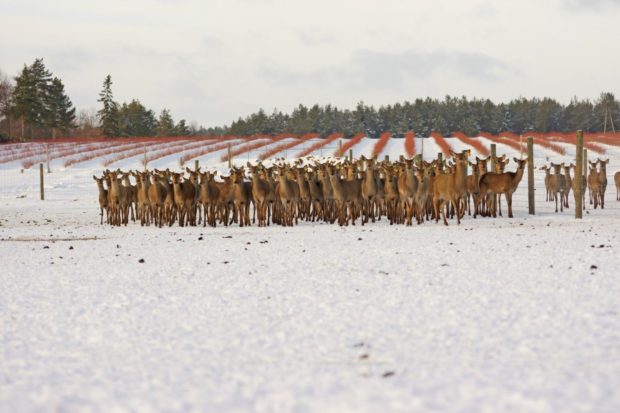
(517, 177)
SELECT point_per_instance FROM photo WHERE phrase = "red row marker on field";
(318, 145)
(381, 143)
(287, 145)
(441, 142)
(410, 144)
(474, 143)
(349, 144)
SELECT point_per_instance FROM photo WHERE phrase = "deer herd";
(559, 183)
(335, 190)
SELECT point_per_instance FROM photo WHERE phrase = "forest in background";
(33, 104)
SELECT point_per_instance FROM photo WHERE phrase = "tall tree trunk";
(23, 128)
(54, 133)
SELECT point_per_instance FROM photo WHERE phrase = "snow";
(495, 315)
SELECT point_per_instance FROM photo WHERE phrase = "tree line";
(451, 114)
(34, 104)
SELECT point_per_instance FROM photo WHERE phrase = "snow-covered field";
(494, 315)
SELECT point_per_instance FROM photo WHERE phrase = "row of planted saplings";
(340, 190)
(559, 183)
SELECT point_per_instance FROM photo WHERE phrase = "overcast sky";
(213, 61)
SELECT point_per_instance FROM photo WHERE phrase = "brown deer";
(471, 183)
(169, 210)
(208, 195)
(328, 192)
(262, 192)
(549, 193)
(304, 193)
(288, 195)
(594, 185)
(316, 195)
(423, 176)
(369, 190)
(500, 166)
(242, 196)
(142, 197)
(602, 178)
(103, 199)
(131, 192)
(617, 182)
(407, 188)
(451, 188)
(184, 198)
(568, 183)
(505, 183)
(557, 186)
(391, 195)
(118, 199)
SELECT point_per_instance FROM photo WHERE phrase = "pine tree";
(6, 101)
(24, 96)
(136, 120)
(181, 128)
(165, 124)
(109, 114)
(60, 110)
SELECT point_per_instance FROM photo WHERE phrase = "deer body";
(505, 183)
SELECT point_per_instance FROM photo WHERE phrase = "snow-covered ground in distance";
(493, 315)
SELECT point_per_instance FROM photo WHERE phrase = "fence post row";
(578, 174)
(229, 156)
(530, 176)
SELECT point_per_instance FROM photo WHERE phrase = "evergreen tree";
(165, 124)
(30, 96)
(181, 128)
(6, 101)
(109, 114)
(60, 110)
(136, 120)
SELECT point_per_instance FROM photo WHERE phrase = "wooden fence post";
(351, 155)
(196, 165)
(585, 161)
(387, 158)
(492, 167)
(578, 175)
(229, 156)
(41, 183)
(440, 158)
(530, 176)
(47, 157)
(340, 147)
